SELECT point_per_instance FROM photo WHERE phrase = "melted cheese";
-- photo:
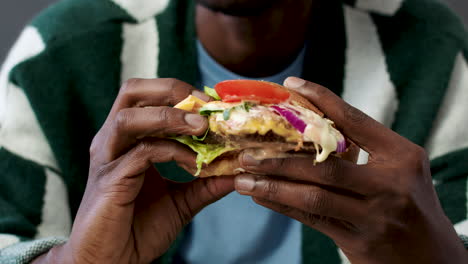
(191, 104)
(259, 119)
(320, 131)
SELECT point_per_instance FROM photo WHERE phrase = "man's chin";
(238, 7)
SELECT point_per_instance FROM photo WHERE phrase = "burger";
(265, 120)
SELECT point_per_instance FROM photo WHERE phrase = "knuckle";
(94, 147)
(122, 119)
(276, 164)
(315, 202)
(331, 170)
(99, 174)
(418, 158)
(129, 84)
(166, 117)
(178, 90)
(145, 147)
(157, 151)
(122, 189)
(212, 189)
(270, 189)
(170, 82)
(317, 89)
(354, 115)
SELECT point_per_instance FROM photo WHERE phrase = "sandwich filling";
(269, 130)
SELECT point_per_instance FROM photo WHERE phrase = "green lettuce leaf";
(202, 138)
(206, 153)
(212, 92)
(208, 112)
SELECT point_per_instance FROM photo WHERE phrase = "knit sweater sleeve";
(34, 209)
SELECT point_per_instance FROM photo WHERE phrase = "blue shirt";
(235, 229)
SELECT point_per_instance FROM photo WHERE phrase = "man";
(60, 89)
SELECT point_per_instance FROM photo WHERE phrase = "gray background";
(15, 14)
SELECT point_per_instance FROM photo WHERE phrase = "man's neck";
(255, 46)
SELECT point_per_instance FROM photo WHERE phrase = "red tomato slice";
(250, 90)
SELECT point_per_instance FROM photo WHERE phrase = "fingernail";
(195, 120)
(294, 82)
(201, 95)
(250, 161)
(245, 183)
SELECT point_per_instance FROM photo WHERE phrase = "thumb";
(205, 191)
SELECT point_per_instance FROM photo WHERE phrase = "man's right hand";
(129, 213)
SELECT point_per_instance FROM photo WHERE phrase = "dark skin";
(255, 46)
(130, 214)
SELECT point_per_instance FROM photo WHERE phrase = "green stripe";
(71, 87)
(318, 248)
(420, 56)
(21, 195)
(450, 166)
(350, 2)
(465, 52)
(72, 18)
(177, 59)
(178, 54)
(326, 49)
(452, 196)
(451, 173)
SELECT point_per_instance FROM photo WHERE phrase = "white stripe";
(21, 133)
(28, 45)
(142, 9)
(7, 240)
(385, 7)
(140, 50)
(344, 259)
(56, 219)
(451, 125)
(367, 84)
(462, 228)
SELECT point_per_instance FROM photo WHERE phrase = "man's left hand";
(385, 211)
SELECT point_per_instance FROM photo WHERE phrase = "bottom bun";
(229, 164)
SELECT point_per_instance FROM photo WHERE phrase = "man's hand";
(129, 213)
(386, 211)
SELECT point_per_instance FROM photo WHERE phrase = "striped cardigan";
(402, 62)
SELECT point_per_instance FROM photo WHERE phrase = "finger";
(154, 92)
(334, 172)
(305, 197)
(204, 191)
(148, 152)
(360, 128)
(338, 230)
(125, 175)
(131, 124)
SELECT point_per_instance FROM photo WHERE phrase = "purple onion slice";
(292, 118)
(341, 146)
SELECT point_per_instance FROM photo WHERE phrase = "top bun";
(298, 99)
